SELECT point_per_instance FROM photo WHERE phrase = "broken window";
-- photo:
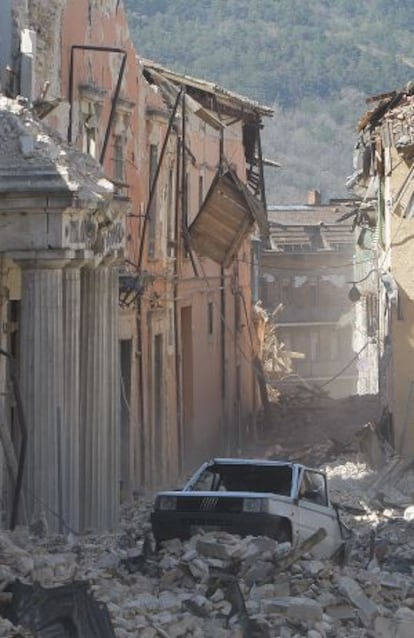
(158, 389)
(170, 214)
(118, 158)
(314, 345)
(210, 317)
(372, 314)
(285, 291)
(313, 487)
(246, 478)
(200, 190)
(313, 292)
(89, 135)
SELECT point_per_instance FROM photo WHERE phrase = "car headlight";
(167, 503)
(254, 505)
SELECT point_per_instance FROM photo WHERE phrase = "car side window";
(313, 488)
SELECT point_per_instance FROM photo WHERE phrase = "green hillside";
(313, 60)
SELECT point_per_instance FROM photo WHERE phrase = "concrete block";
(366, 608)
(400, 626)
(294, 608)
(211, 548)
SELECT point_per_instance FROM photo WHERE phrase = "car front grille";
(209, 504)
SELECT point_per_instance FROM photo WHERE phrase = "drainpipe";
(223, 311)
(177, 323)
(141, 389)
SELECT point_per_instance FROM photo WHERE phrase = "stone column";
(99, 399)
(70, 417)
(42, 380)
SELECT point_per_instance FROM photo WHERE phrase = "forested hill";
(313, 60)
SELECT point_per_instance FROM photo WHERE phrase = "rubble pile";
(28, 144)
(216, 585)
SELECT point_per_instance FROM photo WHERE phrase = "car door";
(315, 512)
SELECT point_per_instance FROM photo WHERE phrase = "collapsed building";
(383, 177)
(304, 287)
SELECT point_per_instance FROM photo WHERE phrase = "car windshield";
(276, 479)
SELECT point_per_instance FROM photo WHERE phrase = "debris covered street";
(217, 585)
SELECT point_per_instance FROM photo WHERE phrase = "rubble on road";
(216, 585)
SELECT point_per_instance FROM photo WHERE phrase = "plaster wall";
(402, 336)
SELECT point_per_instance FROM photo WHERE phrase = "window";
(118, 158)
(89, 132)
(313, 292)
(372, 314)
(314, 345)
(91, 100)
(158, 390)
(200, 190)
(152, 219)
(285, 291)
(170, 327)
(186, 202)
(186, 199)
(170, 214)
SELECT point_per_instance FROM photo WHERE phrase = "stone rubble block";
(282, 550)
(366, 608)
(186, 624)
(199, 569)
(400, 626)
(211, 548)
(341, 612)
(142, 603)
(15, 557)
(294, 608)
(168, 600)
(313, 567)
(162, 618)
(259, 572)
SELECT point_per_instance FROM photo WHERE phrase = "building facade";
(383, 177)
(140, 360)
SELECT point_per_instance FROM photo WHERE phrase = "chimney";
(314, 198)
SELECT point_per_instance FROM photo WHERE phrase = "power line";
(354, 358)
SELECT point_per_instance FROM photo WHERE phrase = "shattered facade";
(383, 176)
(304, 287)
(135, 351)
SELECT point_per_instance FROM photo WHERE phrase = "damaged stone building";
(304, 287)
(128, 195)
(384, 178)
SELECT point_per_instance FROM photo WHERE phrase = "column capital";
(42, 260)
